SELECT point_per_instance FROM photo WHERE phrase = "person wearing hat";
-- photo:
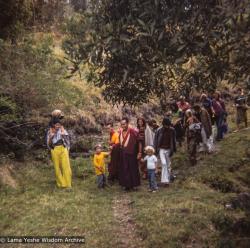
(58, 143)
(151, 160)
(100, 167)
(165, 146)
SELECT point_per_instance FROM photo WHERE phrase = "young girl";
(151, 167)
(99, 164)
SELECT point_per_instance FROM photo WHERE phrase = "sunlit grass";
(182, 215)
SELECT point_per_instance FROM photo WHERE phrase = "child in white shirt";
(151, 167)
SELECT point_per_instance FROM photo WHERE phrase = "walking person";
(129, 176)
(241, 108)
(193, 134)
(113, 166)
(151, 160)
(58, 143)
(165, 146)
(206, 125)
(220, 114)
(141, 126)
(207, 104)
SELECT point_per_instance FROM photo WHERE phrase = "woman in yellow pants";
(58, 143)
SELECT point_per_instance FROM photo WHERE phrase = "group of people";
(141, 152)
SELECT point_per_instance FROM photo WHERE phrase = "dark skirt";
(113, 166)
(129, 176)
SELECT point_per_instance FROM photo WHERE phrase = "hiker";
(113, 166)
(129, 176)
(193, 134)
(58, 143)
(220, 113)
(141, 127)
(206, 126)
(240, 102)
(183, 105)
(99, 165)
(165, 146)
(178, 121)
(151, 160)
(153, 125)
(206, 103)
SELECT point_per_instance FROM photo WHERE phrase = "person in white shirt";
(151, 160)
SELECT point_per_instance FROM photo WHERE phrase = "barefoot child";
(99, 164)
(151, 167)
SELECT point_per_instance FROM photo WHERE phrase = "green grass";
(190, 213)
(39, 208)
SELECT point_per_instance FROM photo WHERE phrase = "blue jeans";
(219, 123)
(152, 179)
(101, 181)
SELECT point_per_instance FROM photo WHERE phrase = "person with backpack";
(193, 134)
(206, 131)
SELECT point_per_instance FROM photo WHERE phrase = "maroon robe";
(129, 176)
(113, 166)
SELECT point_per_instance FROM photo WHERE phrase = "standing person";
(59, 144)
(151, 160)
(113, 166)
(141, 126)
(240, 102)
(99, 165)
(193, 133)
(129, 176)
(220, 113)
(165, 146)
(206, 125)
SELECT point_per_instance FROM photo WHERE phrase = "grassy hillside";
(191, 213)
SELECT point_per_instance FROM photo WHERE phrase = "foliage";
(188, 213)
(8, 109)
(15, 15)
(32, 77)
(138, 48)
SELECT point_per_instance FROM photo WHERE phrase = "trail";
(126, 232)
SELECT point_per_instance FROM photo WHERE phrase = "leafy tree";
(138, 48)
(14, 16)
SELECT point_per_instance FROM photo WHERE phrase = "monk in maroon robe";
(129, 176)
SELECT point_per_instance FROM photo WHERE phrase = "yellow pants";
(60, 158)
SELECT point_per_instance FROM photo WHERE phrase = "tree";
(14, 16)
(139, 48)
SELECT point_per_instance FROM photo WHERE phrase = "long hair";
(143, 121)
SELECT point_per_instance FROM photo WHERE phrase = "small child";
(99, 164)
(151, 167)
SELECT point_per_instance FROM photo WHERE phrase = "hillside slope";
(204, 207)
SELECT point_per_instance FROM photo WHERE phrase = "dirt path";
(126, 233)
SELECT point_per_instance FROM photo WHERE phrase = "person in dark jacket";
(165, 146)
